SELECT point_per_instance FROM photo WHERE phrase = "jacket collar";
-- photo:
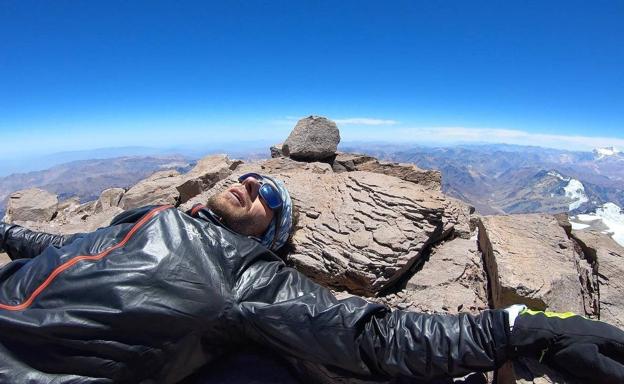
(200, 211)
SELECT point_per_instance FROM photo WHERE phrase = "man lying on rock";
(160, 293)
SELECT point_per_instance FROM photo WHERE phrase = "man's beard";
(236, 219)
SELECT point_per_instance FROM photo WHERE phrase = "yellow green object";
(561, 315)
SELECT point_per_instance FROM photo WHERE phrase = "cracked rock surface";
(429, 179)
(452, 280)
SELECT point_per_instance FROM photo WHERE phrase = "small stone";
(276, 151)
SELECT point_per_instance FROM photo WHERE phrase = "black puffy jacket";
(159, 293)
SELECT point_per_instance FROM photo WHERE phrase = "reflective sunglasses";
(268, 192)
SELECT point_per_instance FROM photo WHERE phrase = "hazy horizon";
(105, 74)
(39, 162)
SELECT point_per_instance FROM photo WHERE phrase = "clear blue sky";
(81, 74)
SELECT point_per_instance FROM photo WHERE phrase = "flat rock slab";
(610, 260)
(347, 162)
(530, 260)
(452, 280)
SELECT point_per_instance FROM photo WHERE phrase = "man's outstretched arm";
(283, 309)
(22, 243)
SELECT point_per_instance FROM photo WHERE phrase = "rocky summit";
(385, 231)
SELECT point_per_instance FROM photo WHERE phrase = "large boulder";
(73, 217)
(530, 260)
(110, 197)
(171, 187)
(314, 138)
(205, 174)
(159, 188)
(31, 205)
(609, 257)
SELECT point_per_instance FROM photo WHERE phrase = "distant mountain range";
(87, 178)
(85, 174)
(28, 163)
(495, 179)
(517, 179)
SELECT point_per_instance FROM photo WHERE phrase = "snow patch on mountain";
(558, 175)
(612, 217)
(576, 225)
(575, 191)
(601, 153)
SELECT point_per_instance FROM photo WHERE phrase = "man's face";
(242, 208)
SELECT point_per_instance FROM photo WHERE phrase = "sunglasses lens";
(268, 193)
(270, 196)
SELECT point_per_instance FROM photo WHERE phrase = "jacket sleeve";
(285, 310)
(22, 243)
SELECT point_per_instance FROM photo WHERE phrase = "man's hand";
(585, 349)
